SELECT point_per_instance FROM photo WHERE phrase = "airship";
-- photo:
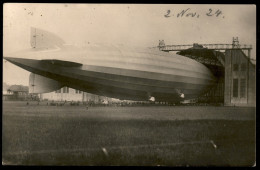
(116, 71)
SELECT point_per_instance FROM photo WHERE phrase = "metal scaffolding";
(168, 48)
(208, 54)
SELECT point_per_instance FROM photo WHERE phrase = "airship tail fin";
(41, 39)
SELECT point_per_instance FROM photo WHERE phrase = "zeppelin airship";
(116, 71)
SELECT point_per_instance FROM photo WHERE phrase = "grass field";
(149, 136)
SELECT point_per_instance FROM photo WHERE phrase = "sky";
(141, 25)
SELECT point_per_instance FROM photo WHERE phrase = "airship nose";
(27, 64)
(10, 59)
(16, 61)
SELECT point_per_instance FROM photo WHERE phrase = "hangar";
(231, 64)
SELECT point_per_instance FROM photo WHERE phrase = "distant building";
(17, 92)
(69, 94)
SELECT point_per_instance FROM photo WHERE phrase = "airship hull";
(122, 73)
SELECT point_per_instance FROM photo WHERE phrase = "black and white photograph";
(87, 84)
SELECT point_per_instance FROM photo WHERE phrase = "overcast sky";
(129, 24)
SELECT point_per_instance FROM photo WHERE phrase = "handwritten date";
(189, 13)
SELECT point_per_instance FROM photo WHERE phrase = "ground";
(150, 136)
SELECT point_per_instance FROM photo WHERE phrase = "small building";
(17, 92)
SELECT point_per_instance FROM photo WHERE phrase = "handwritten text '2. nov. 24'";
(193, 14)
